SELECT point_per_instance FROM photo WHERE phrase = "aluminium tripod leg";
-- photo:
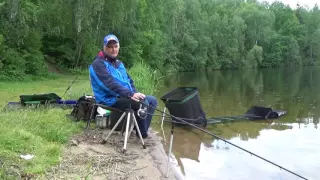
(163, 115)
(127, 132)
(123, 127)
(138, 129)
(131, 125)
(170, 148)
(114, 127)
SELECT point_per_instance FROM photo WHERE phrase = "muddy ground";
(86, 158)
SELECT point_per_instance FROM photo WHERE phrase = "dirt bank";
(85, 157)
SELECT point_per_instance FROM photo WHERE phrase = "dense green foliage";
(167, 35)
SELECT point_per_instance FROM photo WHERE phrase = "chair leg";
(108, 121)
(90, 117)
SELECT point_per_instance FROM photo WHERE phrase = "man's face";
(112, 48)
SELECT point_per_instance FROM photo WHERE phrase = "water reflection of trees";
(186, 143)
(233, 92)
(245, 130)
(309, 120)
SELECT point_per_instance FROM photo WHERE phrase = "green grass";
(44, 131)
(146, 80)
(38, 131)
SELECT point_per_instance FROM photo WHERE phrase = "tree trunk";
(79, 53)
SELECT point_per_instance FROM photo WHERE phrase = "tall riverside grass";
(43, 132)
(146, 79)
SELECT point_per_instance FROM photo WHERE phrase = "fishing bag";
(82, 110)
(50, 98)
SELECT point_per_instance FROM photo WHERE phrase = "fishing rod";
(70, 85)
(216, 136)
(212, 120)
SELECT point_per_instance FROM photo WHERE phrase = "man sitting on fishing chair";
(112, 85)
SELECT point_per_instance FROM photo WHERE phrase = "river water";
(292, 141)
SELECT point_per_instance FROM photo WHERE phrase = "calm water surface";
(292, 141)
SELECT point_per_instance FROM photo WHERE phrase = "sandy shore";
(85, 157)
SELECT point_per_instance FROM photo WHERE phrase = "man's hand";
(138, 96)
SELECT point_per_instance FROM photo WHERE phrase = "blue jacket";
(110, 80)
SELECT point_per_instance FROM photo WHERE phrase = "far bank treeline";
(167, 35)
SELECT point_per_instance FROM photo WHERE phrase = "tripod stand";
(132, 122)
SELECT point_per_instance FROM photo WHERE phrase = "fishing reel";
(143, 109)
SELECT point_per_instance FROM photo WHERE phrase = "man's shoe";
(144, 136)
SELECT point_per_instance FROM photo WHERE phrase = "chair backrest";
(90, 79)
(101, 109)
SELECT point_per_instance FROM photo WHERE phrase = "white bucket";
(101, 121)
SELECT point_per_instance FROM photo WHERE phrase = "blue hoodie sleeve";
(105, 80)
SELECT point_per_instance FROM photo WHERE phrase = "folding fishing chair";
(95, 107)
